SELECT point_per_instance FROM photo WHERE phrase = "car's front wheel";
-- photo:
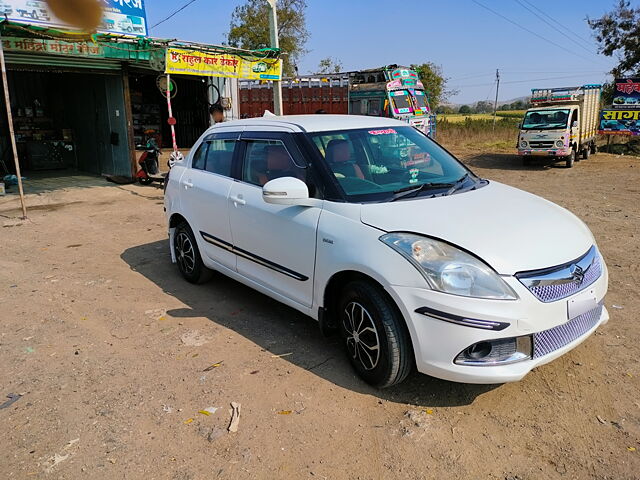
(374, 335)
(188, 256)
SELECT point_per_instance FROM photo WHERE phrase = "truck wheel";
(594, 148)
(374, 335)
(571, 159)
(586, 152)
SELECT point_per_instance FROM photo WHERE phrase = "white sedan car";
(373, 229)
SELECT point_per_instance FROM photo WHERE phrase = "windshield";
(373, 164)
(400, 101)
(545, 119)
(420, 99)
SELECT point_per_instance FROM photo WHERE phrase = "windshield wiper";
(458, 184)
(414, 191)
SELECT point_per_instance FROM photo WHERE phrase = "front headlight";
(559, 144)
(448, 269)
(523, 144)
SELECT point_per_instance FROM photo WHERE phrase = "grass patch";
(478, 133)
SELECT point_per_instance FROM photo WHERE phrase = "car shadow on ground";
(279, 329)
(509, 161)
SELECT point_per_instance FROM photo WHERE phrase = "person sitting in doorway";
(217, 113)
(339, 158)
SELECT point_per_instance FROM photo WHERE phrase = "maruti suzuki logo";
(577, 274)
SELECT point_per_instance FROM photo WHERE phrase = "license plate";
(581, 303)
(538, 153)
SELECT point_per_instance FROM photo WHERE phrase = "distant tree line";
(481, 107)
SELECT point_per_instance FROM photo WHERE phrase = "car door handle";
(239, 200)
(187, 184)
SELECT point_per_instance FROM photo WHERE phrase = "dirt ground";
(115, 355)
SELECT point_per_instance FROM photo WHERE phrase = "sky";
(466, 40)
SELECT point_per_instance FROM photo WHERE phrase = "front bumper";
(544, 152)
(437, 343)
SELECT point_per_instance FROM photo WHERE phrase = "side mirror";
(574, 124)
(286, 191)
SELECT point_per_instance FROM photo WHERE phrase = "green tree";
(329, 65)
(483, 107)
(618, 33)
(434, 81)
(249, 29)
(464, 109)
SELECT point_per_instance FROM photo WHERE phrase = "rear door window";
(200, 156)
(219, 156)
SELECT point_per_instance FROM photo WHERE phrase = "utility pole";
(495, 104)
(273, 32)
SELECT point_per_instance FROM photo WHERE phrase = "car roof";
(312, 123)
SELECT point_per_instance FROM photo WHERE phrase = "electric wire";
(554, 28)
(560, 25)
(175, 12)
(518, 81)
(532, 32)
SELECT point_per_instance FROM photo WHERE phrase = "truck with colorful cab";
(561, 124)
(391, 91)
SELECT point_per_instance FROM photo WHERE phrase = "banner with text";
(191, 62)
(619, 122)
(126, 17)
(626, 94)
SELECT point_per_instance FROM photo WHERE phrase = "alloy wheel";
(185, 254)
(362, 338)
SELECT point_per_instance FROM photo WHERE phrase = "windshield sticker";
(417, 159)
(414, 175)
(386, 131)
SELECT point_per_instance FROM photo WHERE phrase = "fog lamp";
(501, 351)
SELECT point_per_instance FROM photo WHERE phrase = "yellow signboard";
(192, 62)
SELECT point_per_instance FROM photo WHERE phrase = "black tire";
(571, 159)
(594, 148)
(586, 152)
(188, 255)
(380, 324)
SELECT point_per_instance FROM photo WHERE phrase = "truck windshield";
(401, 101)
(545, 119)
(420, 99)
(378, 164)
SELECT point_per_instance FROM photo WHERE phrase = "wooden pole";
(7, 102)
(129, 113)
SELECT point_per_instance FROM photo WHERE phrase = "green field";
(457, 117)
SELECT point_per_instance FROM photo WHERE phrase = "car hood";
(511, 230)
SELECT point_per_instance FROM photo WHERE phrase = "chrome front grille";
(541, 144)
(560, 282)
(555, 338)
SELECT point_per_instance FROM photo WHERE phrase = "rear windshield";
(374, 163)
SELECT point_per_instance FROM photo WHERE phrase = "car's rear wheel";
(374, 335)
(188, 256)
